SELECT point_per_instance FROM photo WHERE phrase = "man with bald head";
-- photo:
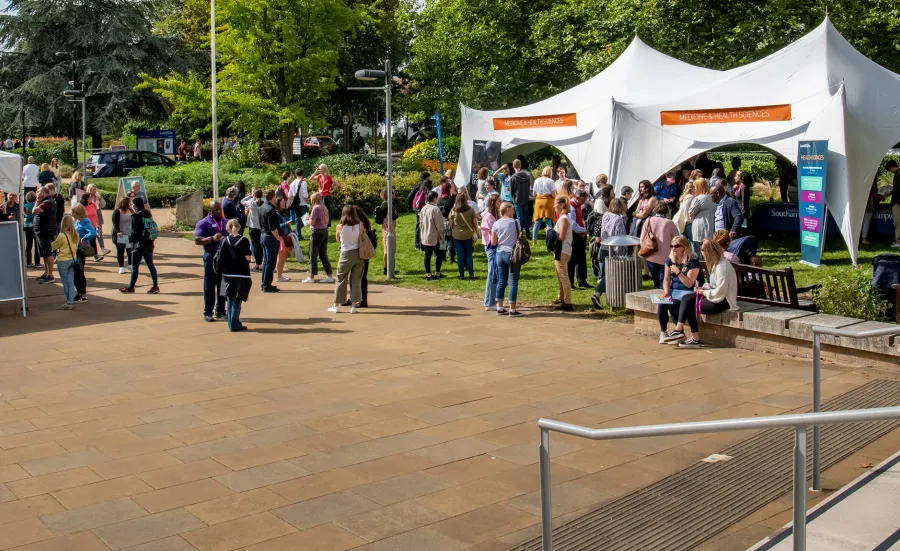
(208, 233)
(728, 211)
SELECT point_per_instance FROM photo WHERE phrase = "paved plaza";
(130, 423)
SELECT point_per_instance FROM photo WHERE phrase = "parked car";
(120, 163)
(319, 145)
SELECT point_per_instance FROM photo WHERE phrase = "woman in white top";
(561, 255)
(480, 183)
(504, 235)
(716, 296)
(350, 265)
(544, 193)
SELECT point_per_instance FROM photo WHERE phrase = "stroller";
(744, 248)
(886, 280)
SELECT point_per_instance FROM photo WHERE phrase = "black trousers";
(29, 246)
(438, 254)
(255, 245)
(80, 280)
(121, 252)
(578, 260)
(685, 311)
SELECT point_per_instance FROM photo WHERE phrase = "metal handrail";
(818, 331)
(799, 422)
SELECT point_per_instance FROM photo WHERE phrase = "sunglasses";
(677, 246)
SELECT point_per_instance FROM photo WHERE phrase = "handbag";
(89, 251)
(366, 249)
(522, 251)
(648, 243)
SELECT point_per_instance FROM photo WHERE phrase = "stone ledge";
(780, 330)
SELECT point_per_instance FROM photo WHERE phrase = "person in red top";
(182, 151)
(326, 187)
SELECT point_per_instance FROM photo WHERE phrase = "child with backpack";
(144, 233)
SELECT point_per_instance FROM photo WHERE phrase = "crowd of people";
(687, 215)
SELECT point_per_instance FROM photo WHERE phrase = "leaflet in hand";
(660, 299)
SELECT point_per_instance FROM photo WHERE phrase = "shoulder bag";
(522, 251)
(366, 249)
(648, 242)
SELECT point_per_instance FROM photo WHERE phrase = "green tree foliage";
(495, 54)
(109, 42)
(277, 67)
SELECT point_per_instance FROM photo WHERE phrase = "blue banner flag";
(812, 170)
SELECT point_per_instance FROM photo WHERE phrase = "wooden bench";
(769, 286)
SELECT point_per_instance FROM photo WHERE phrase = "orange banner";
(766, 113)
(546, 121)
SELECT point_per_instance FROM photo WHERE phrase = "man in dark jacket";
(520, 186)
(728, 212)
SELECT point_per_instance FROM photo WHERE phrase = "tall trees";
(108, 41)
(278, 63)
(492, 54)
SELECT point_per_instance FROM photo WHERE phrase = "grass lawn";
(778, 252)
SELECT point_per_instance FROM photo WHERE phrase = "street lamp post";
(80, 97)
(212, 55)
(69, 56)
(371, 74)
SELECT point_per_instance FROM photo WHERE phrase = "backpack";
(419, 198)
(151, 230)
(522, 251)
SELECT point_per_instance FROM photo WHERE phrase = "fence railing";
(817, 383)
(799, 422)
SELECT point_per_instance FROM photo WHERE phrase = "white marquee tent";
(579, 121)
(819, 87)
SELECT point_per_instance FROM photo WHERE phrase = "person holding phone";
(682, 274)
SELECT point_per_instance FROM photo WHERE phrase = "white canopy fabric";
(640, 75)
(817, 88)
(833, 93)
(10, 172)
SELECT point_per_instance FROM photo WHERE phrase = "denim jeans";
(212, 284)
(137, 255)
(507, 273)
(318, 250)
(537, 227)
(67, 276)
(601, 281)
(464, 256)
(418, 234)
(522, 216)
(490, 286)
(270, 247)
(233, 313)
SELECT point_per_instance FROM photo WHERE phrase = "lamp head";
(369, 74)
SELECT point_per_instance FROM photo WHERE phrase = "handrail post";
(800, 489)
(546, 509)
(817, 405)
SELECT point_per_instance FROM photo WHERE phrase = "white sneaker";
(334, 309)
(283, 278)
(121, 270)
(895, 245)
(662, 337)
(308, 280)
(489, 308)
(328, 280)
(353, 309)
(105, 251)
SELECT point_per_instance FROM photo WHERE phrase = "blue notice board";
(812, 169)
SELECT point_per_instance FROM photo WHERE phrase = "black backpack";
(886, 274)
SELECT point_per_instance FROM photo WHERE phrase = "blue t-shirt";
(693, 263)
(505, 188)
(29, 218)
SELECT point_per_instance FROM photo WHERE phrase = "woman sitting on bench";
(717, 296)
(682, 273)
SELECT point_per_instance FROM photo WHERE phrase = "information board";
(812, 169)
(12, 278)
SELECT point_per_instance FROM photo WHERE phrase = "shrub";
(342, 164)
(761, 165)
(247, 155)
(365, 190)
(435, 166)
(428, 151)
(65, 171)
(849, 293)
(44, 151)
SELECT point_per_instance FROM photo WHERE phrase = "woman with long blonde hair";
(701, 214)
(716, 296)
(66, 245)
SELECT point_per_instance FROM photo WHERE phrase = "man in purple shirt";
(208, 233)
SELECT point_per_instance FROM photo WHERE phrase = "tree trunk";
(286, 138)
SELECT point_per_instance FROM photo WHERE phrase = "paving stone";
(325, 509)
(236, 506)
(23, 533)
(47, 483)
(93, 516)
(183, 473)
(389, 521)
(239, 533)
(402, 488)
(181, 495)
(264, 475)
(147, 529)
